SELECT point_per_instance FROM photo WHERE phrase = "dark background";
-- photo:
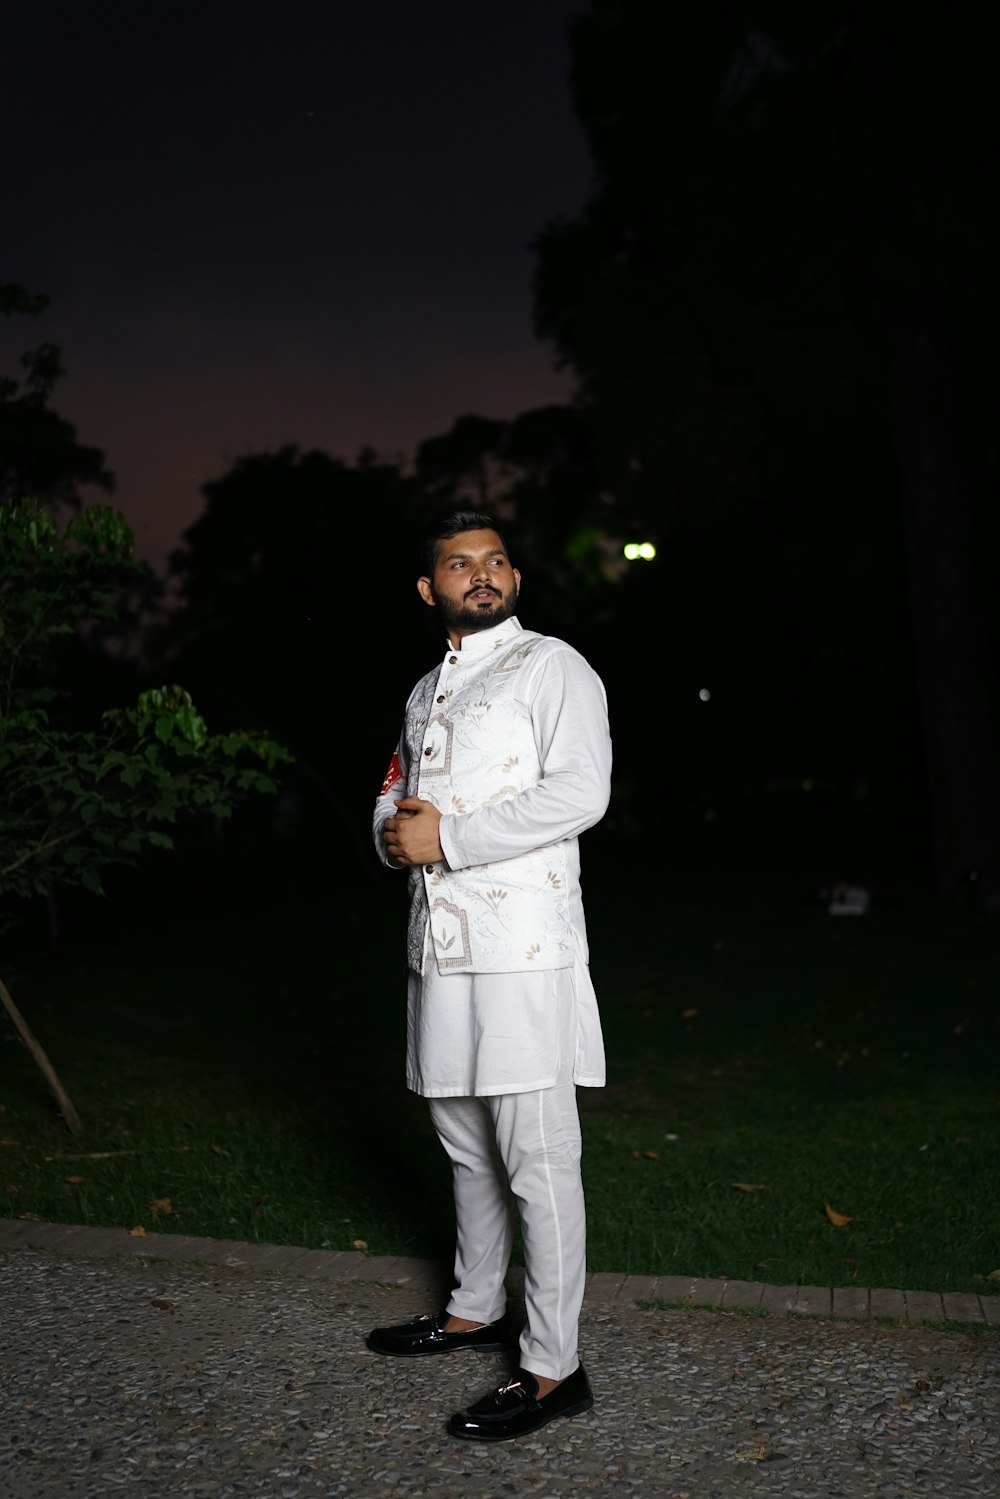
(306, 222)
(723, 280)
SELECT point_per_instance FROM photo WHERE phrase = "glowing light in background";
(643, 551)
(704, 694)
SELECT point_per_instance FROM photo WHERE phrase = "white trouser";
(523, 1149)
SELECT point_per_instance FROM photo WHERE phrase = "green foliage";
(75, 800)
(53, 581)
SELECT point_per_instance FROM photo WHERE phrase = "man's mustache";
(483, 588)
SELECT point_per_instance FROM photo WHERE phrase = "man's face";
(473, 585)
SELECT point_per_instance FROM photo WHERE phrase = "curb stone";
(910, 1308)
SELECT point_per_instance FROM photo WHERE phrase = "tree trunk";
(63, 1099)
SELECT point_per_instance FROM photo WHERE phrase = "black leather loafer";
(515, 1409)
(424, 1335)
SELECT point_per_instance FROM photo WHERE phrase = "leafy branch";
(75, 801)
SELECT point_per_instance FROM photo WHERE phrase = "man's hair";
(453, 523)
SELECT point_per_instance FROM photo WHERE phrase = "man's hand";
(411, 836)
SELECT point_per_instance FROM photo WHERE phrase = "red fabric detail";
(394, 773)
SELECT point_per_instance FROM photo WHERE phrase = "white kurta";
(478, 1034)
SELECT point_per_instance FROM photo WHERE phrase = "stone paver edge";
(912, 1308)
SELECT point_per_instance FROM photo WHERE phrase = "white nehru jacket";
(509, 738)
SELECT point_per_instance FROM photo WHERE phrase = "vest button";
(428, 869)
(439, 699)
(452, 660)
(429, 750)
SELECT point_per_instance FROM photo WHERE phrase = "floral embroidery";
(504, 794)
(393, 774)
(516, 657)
(462, 955)
(493, 899)
(477, 924)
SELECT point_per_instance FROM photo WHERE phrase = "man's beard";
(468, 616)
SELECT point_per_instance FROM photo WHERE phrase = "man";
(504, 760)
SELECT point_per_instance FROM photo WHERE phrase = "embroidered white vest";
(469, 745)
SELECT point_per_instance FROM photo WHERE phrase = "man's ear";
(426, 592)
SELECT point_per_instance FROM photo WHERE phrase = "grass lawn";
(232, 1036)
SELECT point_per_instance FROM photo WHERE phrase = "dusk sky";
(307, 222)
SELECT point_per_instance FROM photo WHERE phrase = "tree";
(293, 588)
(781, 308)
(76, 799)
(39, 451)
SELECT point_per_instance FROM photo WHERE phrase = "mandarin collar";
(483, 642)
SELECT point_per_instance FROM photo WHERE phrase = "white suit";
(509, 739)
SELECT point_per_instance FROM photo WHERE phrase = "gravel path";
(135, 1376)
